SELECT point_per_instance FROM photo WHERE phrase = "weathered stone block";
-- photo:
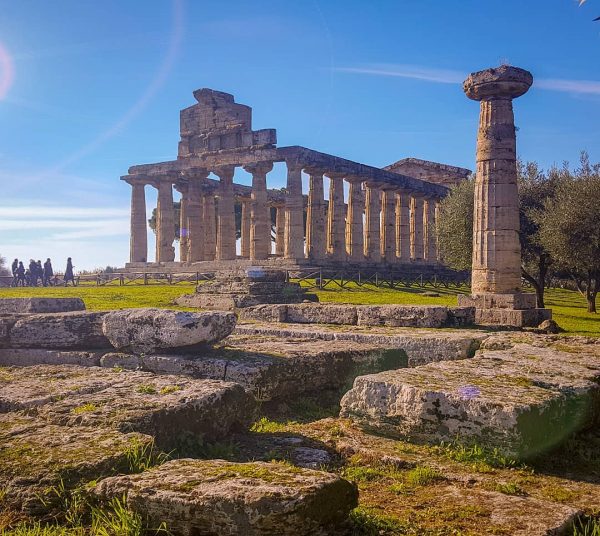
(151, 330)
(22, 357)
(265, 313)
(218, 497)
(75, 330)
(402, 316)
(312, 313)
(518, 300)
(459, 317)
(512, 317)
(40, 305)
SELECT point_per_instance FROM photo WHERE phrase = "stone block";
(311, 313)
(151, 330)
(225, 498)
(74, 330)
(518, 300)
(265, 313)
(402, 316)
(40, 305)
(517, 318)
(23, 357)
(459, 317)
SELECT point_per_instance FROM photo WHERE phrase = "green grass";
(568, 307)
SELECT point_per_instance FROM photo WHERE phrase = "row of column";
(379, 222)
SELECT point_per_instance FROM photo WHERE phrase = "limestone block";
(151, 330)
(23, 357)
(265, 313)
(312, 313)
(73, 330)
(523, 400)
(512, 317)
(225, 498)
(399, 315)
(40, 305)
(518, 300)
(459, 317)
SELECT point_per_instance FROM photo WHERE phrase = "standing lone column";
(226, 215)
(372, 223)
(165, 223)
(416, 228)
(315, 217)
(260, 214)
(335, 217)
(294, 213)
(138, 245)
(388, 225)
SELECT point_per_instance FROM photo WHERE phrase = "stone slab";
(223, 498)
(516, 318)
(40, 305)
(164, 406)
(519, 300)
(23, 357)
(318, 313)
(523, 399)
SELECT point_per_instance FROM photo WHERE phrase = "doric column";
(260, 216)
(315, 217)
(354, 222)
(372, 222)
(388, 225)
(279, 230)
(245, 228)
(336, 217)
(496, 247)
(183, 223)
(416, 228)
(403, 223)
(138, 245)
(197, 235)
(429, 229)
(209, 224)
(165, 222)
(226, 215)
(294, 213)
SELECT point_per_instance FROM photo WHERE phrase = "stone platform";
(516, 310)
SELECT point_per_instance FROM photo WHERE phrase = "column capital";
(225, 172)
(335, 175)
(259, 168)
(135, 180)
(314, 172)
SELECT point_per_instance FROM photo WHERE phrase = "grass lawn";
(568, 307)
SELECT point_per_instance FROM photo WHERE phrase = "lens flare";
(7, 71)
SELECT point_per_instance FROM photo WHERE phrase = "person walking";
(20, 275)
(15, 267)
(33, 275)
(69, 273)
(48, 273)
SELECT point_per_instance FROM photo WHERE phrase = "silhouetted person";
(15, 267)
(69, 273)
(21, 275)
(33, 273)
(48, 273)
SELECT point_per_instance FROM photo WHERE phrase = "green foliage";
(84, 408)
(146, 389)
(266, 426)
(142, 456)
(587, 526)
(509, 488)
(370, 522)
(422, 476)
(478, 457)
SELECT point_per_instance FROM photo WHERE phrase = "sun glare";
(7, 72)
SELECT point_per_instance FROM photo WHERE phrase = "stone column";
(195, 229)
(138, 245)
(416, 228)
(226, 215)
(336, 217)
(315, 217)
(280, 230)
(245, 228)
(429, 228)
(372, 250)
(294, 213)
(354, 222)
(403, 220)
(388, 225)
(165, 222)
(183, 223)
(260, 216)
(209, 224)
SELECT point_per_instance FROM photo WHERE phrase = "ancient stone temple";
(386, 219)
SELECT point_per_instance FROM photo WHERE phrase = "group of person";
(36, 274)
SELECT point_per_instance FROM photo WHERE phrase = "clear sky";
(88, 88)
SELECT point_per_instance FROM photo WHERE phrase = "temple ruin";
(387, 220)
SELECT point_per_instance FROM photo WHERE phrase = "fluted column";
(416, 228)
(165, 222)
(372, 223)
(183, 223)
(226, 215)
(336, 217)
(138, 245)
(260, 214)
(354, 222)
(294, 213)
(430, 238)
(245, 228)
(388, 225)
(315, 217)
(194, 213)
(209, 224)
(403, 219)
(279, 230)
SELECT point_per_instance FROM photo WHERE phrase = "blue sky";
(89, 88)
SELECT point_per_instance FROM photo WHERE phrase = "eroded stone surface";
(40, 305)
(38, 356)
(523, 399)
(223, 498)
(151, 330)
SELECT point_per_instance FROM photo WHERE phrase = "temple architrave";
(386, 220)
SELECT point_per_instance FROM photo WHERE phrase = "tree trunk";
(591, 291)
(539, 288)
(591, 301)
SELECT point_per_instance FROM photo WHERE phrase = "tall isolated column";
(138, 245)
(430, 230)
(194, 211)
(496, 246)
(183, 223)
(403, 219)
(372, 222)
(245, 227)
(354, 222)
(260, 213)
(388, 225)
(336, 217)
(226, 215)
(416, 228)
(294, 213)
(165, 222)
(315, 217)
(209, 222)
